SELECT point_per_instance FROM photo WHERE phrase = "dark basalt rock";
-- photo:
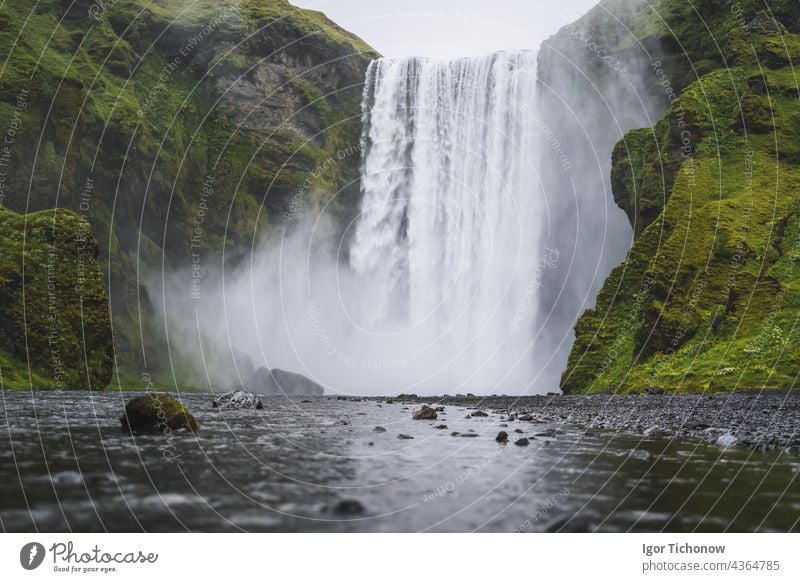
(404, 437)
(425, 413)
(378, 429)
(279, 382)
(523, 442)
(654, 390)
(502, 437)
(157, 413)
(479, 413)
(348, 507)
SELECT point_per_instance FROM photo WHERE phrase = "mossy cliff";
(54, 320)
(180, 131)
(708, 296)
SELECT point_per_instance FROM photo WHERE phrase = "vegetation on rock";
(157, 413)
(708, 296)
(179, 132)
(54, 318)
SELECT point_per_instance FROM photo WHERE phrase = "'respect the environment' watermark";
(183, 53)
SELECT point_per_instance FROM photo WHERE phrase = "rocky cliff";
(181, 132)
(707, 297)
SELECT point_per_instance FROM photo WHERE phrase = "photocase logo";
(31, 555)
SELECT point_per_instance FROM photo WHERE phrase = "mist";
(485, 228)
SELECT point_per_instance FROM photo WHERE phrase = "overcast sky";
(445, 28)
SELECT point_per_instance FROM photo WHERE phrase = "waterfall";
(485, 227)
(448, 241)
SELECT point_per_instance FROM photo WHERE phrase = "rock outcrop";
(176, 134)
(705, 298)
(277, 382)
(54, 317)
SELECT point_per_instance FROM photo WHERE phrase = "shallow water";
(66, 465)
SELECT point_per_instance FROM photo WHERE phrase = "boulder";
(654, 390)
(157, 413)
(502, 437)
(523, 442)
(479, 413)
(277, 382)
(238, 399)
(348, 507)
(425, 413)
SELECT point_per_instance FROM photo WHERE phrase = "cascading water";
(486, 227)
(448, 240)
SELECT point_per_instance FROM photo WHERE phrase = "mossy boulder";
(55, 330)
(157, 413)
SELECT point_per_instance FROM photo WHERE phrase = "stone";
(502, 437)
(523, 442)
(404, 437)
(480, 413)
(378, 429)
(348, 507)
(654, 390)
(425, 413)
(157, 413)
(237, 399)
(727, 440)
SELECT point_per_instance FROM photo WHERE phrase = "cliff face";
(53, 307)
(707, 296)
(180, 132)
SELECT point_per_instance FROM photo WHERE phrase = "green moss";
(103, 104)
(157, 413)
(53, 306)
(707, 298)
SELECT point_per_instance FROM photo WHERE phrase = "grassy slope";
(708, 296)
(86, 83)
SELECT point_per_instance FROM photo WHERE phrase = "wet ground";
(646, 463)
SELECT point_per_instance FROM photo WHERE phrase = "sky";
(450, 28)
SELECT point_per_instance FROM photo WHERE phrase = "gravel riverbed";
(762, 421)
